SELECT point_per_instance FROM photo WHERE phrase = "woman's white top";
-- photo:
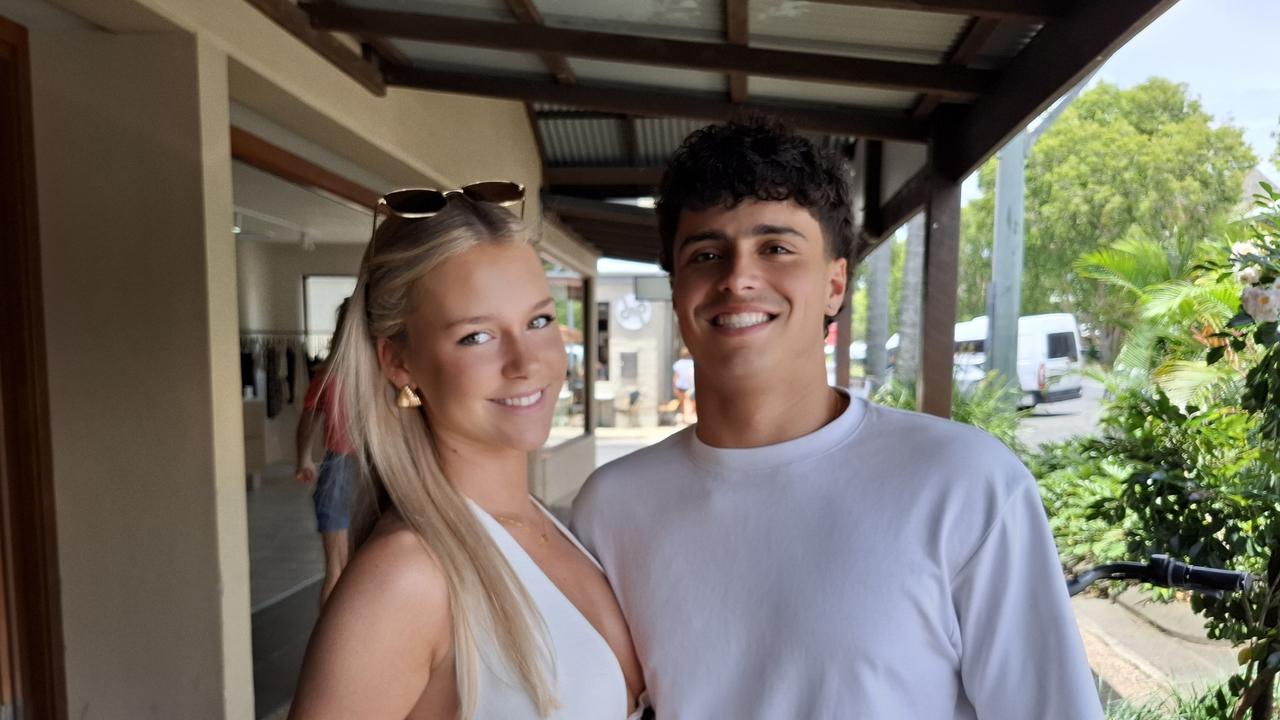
(589, 680)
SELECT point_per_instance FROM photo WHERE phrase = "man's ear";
(837, 283)
(392, 362)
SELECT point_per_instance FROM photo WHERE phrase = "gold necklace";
(543, 532)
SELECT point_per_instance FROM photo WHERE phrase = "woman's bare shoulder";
(394, 566)
(383, 632)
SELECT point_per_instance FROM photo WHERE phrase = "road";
(1046, 423)
(1061, 420)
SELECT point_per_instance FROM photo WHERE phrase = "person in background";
(682, 381)
(333, 481)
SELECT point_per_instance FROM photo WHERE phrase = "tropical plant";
(1214, 703)
(989, 404)
(1117, 161)
(1170, 317)
(1200, 470)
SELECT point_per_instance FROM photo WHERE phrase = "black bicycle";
(1164, 571)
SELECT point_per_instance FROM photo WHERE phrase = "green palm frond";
(1139, 349)
(1191, 381)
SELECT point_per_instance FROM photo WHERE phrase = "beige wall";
(408, 136)
(133, 166)
(270, 280)
(139, 276)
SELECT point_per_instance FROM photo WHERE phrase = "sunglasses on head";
(418, 203)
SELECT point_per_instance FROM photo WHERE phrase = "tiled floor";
(286, 566)
(284, 548)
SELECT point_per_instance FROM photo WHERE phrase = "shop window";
(569, 292)
(630, 365)
(602, 341)
(321, 296)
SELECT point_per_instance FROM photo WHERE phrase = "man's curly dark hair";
(758, 158)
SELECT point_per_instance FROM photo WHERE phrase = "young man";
(799, 553)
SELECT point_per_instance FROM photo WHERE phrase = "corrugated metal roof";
(464, 58)
(765, 89)
(659, 137)
(1007, 41)
(660, 78)
(474, 9)
(680, 19)
(868, 32)
(589, 141)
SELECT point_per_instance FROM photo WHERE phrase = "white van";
(1049, 356)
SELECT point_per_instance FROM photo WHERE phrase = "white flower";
(1275, 284)
(1262, 304)
(1249, 275)
(1245, 248)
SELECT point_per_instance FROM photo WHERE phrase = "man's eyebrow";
(764, 229)
(479, 319)
(761, 230)
(704, 236)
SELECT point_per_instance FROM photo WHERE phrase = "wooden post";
(941, 260)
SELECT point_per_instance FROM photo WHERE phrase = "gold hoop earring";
(408, 398)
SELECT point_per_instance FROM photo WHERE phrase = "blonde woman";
(464, 598)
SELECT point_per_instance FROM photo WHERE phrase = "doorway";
(31, 664)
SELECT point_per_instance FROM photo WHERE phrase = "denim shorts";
(332, 495)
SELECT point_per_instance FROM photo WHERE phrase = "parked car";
(1049, 356)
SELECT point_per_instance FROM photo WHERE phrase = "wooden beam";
(30, 589)
(737, 32)
(582, 175)
(966, 49)
(253, 150)
(570, 208)
(381, 48)
(952, 82)
(871, 170)
(644, 248)
(526, 12)
(580, 115)
(941, 263)
(537, 135)
(830, 119)
(910, 199)
(1033, 11)
(1057, 58)
(631, 139)
(294, 21)
(616, 232)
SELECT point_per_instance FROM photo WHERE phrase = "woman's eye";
(476, 338)
(540, 322)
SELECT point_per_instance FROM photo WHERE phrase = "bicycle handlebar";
(1164, 571)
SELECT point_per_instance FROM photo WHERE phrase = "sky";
(1227, 52)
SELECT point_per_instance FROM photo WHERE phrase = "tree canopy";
(1145, 162)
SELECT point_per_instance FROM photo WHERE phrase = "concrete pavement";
(1143, 651)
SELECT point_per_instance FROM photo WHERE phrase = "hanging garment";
(290, 369)
(275, 389)
(246, 370)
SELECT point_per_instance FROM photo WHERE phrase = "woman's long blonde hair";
(400, 468)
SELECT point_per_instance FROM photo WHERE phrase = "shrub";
(989, 404)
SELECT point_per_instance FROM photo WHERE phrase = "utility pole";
(1004, 295)
(879, 266)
